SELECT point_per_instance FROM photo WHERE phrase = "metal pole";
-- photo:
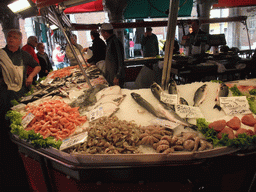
(70, 44)
(172, 22)
(247, 30)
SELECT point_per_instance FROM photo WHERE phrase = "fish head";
(135, 95)
(156, 90)
(224, 90)
(172, 87)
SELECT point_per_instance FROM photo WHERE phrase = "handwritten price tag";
(185, 111)
(169, 98)
(96, 113)
(80, 138)
(235, 105)
(27, 120)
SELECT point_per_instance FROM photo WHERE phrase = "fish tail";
(217, 107)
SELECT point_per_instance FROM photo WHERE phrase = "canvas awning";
(155, 9)
(234, 3)
(87, 7)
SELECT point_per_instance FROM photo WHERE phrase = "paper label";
(169, 98)
(164, 123)
(96, 113)
(185, 111)
(235, 105)
(27, 120)
(27, 98)
(69, 142)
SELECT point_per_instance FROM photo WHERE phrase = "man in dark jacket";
(98, 48)
(114, 60)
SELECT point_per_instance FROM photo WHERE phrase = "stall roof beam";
(77, 27)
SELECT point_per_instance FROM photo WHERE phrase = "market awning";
(87, 7)
(155, 9)
(234, 3)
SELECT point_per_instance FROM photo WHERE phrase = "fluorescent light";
(53, 27)
(19, 6)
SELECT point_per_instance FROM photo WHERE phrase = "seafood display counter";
(130, 137)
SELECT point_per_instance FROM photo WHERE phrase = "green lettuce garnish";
(35, 139)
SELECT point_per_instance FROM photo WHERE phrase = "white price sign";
(235, 105)
(96, 113)
(69, 142)
(27, 120)
(169, 98)
(185, 111)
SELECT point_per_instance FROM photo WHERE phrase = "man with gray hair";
(13, 84)
(30, 48)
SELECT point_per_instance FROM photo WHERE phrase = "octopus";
(152, 134)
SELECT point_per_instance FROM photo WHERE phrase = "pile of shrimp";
(60, 73)
(54, 118)
(64, 72)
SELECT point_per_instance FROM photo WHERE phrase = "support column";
(115, 10)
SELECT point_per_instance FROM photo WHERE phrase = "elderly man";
(13, 84)
(30, 48)
(114, 60)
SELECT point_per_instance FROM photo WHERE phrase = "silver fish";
(222, 91)
(156, 90)
(200, 95)
(143, 103)
(172, 87)
(171, 115)
(183, 101)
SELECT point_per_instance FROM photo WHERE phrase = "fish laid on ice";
(183, 101)
(172, 87)
(174, 117)
(113, 90)
(157, 91)
(116, 99)
(200, 95)
(107, 109)
(143, 103)
(88, 98)
(222, 91)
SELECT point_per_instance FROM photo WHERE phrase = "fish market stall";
(122, 131)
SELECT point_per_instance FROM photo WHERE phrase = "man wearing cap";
(114, 60)
(149, 44)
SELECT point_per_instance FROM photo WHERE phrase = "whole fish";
(171, 115)
(172, 87)
(222, 91)
(200, 95)
(143, 103)
(183, 101)
(157, 91)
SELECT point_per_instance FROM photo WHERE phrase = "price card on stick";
(27, 120)
(69, 142)
(235, 105)
(96, 113)
(185, 111)
(169, 98)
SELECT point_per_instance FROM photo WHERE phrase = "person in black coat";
(98, 48)
(44, 60)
